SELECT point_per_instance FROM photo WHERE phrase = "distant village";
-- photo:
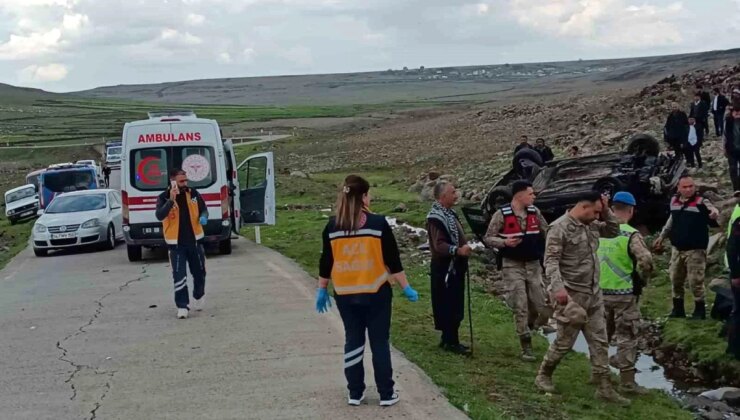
(498, 71)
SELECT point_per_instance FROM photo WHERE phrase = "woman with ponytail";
(361, 259)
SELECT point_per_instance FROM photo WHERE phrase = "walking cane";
(470, 313)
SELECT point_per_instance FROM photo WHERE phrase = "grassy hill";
(470, 83)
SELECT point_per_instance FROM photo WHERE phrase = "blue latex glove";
(323, 303)
(411, 294)
(203, 220)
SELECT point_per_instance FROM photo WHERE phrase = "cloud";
(53, 72)
(225, 58)
(194, 19)
(608, 23)
(36, 44)
(75, 22)
(164, 40)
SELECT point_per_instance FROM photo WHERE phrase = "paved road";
(90, 335)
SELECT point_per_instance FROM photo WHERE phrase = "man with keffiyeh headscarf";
(450, 253)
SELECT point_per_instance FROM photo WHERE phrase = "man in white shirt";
(695, 139)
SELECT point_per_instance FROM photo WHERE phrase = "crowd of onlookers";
(685, 133)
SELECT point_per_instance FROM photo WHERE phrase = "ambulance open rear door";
(257, 191)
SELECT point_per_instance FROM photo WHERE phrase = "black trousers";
(372, 315)
(719, 122)
(183, 257)
(734, 166)
(733, 337)
(448, 299)
(693, 155)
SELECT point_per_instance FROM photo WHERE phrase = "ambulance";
(236, 195)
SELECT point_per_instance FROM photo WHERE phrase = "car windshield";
(114, 150)
(75, 203)
(20, 194)
(66, 181)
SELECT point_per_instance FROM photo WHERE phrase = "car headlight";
(91, 223)
(39, 228)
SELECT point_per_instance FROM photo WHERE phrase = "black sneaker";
(392, 400)
(355, 401)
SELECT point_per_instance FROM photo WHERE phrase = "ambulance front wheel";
(224, 247)
(134, 252)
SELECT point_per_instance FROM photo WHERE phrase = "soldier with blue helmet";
(626, 264)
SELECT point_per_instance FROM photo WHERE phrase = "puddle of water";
(649, 373)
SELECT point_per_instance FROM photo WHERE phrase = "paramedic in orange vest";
(518, 231)
(360, 257)
(183, 214)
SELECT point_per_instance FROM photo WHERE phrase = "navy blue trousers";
(183, 257)
(373, 316)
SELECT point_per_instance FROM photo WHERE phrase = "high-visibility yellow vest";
(616, 264)
(733, 217)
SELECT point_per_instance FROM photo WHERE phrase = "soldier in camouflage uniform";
(688, 230)
(626, 265)
(572, 267)
(518, 231)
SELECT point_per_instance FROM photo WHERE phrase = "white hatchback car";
(21, 203)
(79, 218)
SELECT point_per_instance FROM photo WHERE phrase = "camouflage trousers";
(623, 325)
(594, 331)
(526, 294)
(688, 266)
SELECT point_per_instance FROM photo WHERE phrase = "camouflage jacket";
(570, 252)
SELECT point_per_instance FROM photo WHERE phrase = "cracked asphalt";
(88, 335)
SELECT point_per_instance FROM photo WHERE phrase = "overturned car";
(641, 169)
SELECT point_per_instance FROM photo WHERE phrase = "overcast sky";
(66, 45)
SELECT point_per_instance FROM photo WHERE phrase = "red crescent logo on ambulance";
(148, 168)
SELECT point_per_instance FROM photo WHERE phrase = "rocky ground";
(474, 143)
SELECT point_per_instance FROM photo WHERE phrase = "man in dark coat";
(450, 253)
(544, 150)
(676, 129)
(719, 106)
(700, 111)
(523, 145)
(732, 142)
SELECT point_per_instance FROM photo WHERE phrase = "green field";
(69, 119)
(495, 383)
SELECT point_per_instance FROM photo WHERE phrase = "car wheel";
(224, 247)
(609, 186)
(497, 198)
(110, 240)
(643, 144)
(530, 155)
(13, 221)
(40, 252)
(134, 253)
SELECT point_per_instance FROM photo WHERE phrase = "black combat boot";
(700, 310)
(527, 353)
(678, 309)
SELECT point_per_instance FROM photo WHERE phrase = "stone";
(720, 393)
(299, 174)
(714, 240)
(713, 415)
(401, 208)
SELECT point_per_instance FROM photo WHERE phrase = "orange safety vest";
(358, 259)
(171, 223)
